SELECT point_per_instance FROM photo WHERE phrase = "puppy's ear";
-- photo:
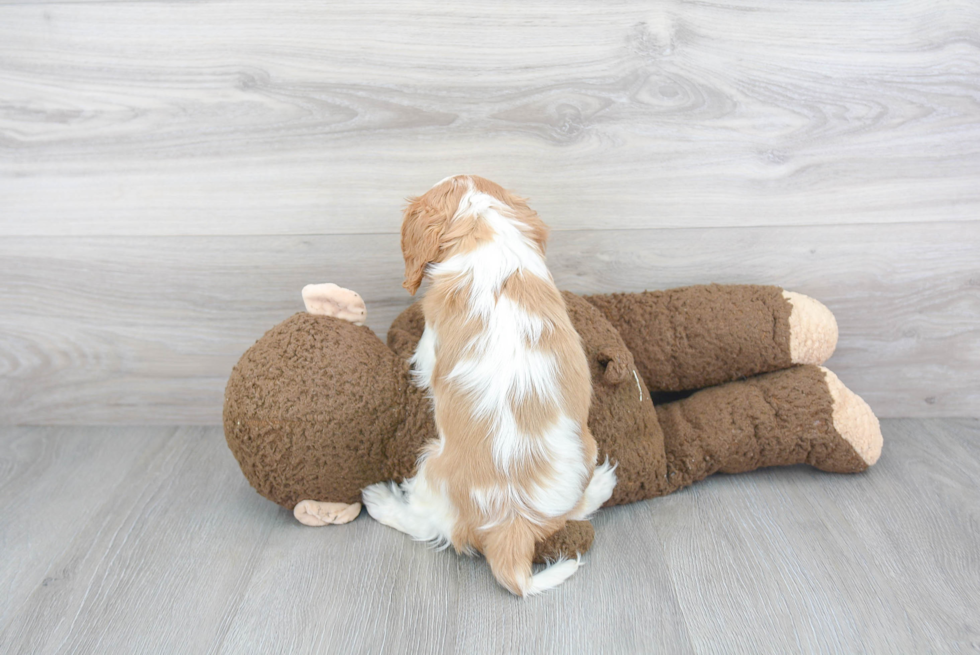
(427, 220)
(421, 234)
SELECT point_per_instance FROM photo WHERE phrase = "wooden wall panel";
(137, 329)
(207, 118)
(172, 173)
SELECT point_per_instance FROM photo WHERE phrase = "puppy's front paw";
(331, 300)
(383, 502)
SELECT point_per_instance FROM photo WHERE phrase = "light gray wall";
(171, 174)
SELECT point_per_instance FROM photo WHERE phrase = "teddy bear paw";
(854, 420)
(812, 330)
(315, 513)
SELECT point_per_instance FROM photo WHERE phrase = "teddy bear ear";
(617, 362)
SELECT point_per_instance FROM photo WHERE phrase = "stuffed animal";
(320, 408)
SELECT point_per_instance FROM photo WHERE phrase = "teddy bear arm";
(575, 538)
(406, 330)
(802, 415)
(700, 336)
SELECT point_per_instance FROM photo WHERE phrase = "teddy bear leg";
(700, 336)
(803, 415)
(331, 300)
(316, 513)
(572, 540)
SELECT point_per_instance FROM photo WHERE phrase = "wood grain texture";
(175, 118)
(172, 173)
(35, 529)
(146, 330)
(150, 540)
(916, 584)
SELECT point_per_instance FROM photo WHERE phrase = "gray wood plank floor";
(148, 539)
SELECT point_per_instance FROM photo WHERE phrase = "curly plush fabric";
(319, 408)
(683, 338)
(308, 380)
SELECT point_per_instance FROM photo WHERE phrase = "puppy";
(510, 385)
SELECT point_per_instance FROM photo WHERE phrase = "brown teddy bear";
(320, 408)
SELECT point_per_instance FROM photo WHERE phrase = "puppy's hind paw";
(598, 491)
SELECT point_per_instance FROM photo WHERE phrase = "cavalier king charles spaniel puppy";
(510, 388)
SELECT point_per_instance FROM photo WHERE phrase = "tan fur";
(431, 235)
(424, 226)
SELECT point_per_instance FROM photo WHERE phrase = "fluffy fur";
(510, 384)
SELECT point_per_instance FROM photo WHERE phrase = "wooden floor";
(131, 539)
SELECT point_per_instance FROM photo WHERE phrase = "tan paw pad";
(812, 330)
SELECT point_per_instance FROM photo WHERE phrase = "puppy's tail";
(509, 549)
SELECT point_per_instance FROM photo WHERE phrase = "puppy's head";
(517, 209)
(431, 224)
(424, 227)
